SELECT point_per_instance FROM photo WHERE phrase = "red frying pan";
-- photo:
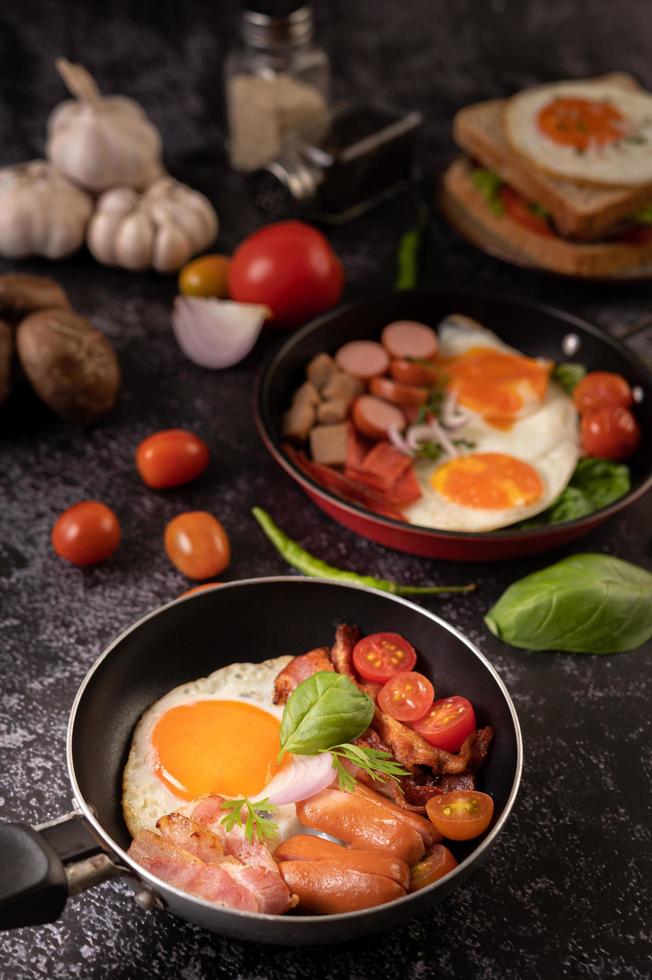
(534, 329)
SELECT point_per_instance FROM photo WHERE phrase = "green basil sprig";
(594, 484)
(587, 603)
(326, 709)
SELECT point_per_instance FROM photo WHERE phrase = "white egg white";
(625, 162)
(144, 797)
(546, 437)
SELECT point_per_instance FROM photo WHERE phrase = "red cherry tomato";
(381, 655)
(170, 458)
(602, 389)
(86, 533)
(289, 267)
(448, 723)
(197, 544)
(406, 696)
(438, 863)
(460, 815)
(610, 433)
(520, 211)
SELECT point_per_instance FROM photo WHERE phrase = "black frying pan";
(242, 621)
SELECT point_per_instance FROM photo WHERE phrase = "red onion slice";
(216, 333)
(302, 778)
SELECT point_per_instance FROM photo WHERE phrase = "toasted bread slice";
(579, 211)
(466, 207)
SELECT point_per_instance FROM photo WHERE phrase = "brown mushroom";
(20, 295)
(69, 363)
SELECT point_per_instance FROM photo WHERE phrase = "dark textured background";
(563, 893)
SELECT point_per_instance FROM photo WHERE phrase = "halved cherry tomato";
(171, 457)
(610, 433)
(460, 815)
(206, 276)
(520, 211)
(602, 389)
(197, 544)
(199, 588)
(381, 655)
(406, 696)
(86, 533)
(418, 373)
(448, 723)
(438, 863)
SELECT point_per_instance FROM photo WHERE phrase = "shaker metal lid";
(276, 23)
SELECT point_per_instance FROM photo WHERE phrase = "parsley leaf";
(257, 820)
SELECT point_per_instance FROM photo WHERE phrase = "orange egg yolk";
(581, 122)
(225, 747)
(491, 481)
(496, 384)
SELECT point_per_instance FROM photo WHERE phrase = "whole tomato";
(610, 433)
(171, 457)
(86, 533)
(197, 544)
(289, 267)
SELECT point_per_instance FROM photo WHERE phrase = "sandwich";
(559, 177)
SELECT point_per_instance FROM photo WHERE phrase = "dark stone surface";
(563, 893)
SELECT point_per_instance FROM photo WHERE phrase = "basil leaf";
(584, 604)
(595, 483)
(324, 710)
(568, 375)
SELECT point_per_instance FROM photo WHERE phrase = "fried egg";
(218, 734)
(522, 441)
(592, 132)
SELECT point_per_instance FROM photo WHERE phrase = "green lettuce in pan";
(595, 483)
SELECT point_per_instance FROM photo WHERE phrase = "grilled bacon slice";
(208, 812)
(163, 858)
(192, 837)
(299, 668)
(341, 656)
(411, 749)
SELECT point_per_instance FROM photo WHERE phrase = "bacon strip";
(411, 749)
(341, 656)
(192, 837)
(161, 857)
(299, 668)
(208, 812)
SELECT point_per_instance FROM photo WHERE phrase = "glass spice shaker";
(273, 80)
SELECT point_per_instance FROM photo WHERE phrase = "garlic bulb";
(101, 141)
(41, 213)
(159, 229)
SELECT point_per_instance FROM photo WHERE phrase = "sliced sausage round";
(363, 359)
(398, 393)
(374, 417)
(405, 338)
(411, 373)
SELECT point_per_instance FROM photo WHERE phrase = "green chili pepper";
(304, 562)
(408, 254)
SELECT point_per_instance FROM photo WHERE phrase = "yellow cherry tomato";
(206, 276)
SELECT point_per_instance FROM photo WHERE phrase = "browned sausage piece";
(326, 889)
(308, 847)
(307, 393)
(397, 393)
(341, 385)
(405, 338)
(328, 444)
(413, 372)
(363, 359)
(333, 410)
(373, 416)
(298, 421)
(422, 826)
(361, 823)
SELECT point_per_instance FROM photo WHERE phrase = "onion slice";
(452, 416)
(302, 778)
(216, 333)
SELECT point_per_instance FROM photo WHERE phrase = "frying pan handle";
(41, 866)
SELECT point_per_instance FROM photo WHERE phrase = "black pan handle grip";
(33, 882)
